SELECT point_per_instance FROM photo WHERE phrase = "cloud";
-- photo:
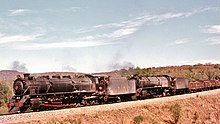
(111, 32)
(16, 65)
(131, 26)
(123, 32)
(59, 10)
(214, 40)
(212, 29)
(74, 9)
(73, 44)
(128, 27)
(125, 28)
(150, 17)
(179, 42)
(18, 12)
(4, 39)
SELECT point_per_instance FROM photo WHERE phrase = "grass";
(3, 110)
(66, 120)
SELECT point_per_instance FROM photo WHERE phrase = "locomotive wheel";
(119, 99)
(35, 110)
(84, 102)
(134, 98)
(106, 100)
(100, 101)
(92, 102)
(24, 109)
(164, 94)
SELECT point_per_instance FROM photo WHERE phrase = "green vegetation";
(192, 72)
(5, 94)
(138, 119)
(175, 110)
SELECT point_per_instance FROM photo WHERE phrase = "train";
(45, 92)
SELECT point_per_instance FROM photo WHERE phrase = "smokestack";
(26, 76)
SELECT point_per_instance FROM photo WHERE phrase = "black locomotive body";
(44, 92)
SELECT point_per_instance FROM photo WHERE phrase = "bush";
(138, 119)
(5, 93)
(3, 110)
(175, 109)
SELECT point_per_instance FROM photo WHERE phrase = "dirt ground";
(199, 108)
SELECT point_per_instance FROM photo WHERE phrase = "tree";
(145, 72)
(5, 93)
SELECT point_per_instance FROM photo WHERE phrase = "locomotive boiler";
(44, 84)
(157, 81)
(45, 92)
(160, 85)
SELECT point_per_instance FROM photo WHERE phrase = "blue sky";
(95, 36)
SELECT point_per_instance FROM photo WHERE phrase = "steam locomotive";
(44, 92)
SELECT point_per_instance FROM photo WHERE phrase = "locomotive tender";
(44, 92)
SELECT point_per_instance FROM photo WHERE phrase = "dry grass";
(3, 110)
(175, 110)
(172, 113)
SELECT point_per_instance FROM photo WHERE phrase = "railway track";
(22, 117)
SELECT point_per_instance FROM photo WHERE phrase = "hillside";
(192, 72)
(7, 76)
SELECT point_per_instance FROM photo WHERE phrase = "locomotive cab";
(101, 84)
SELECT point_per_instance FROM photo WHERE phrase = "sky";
(96, 35)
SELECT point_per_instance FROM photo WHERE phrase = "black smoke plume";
(118, 63)
(124, 65)
(16, 65)
(69, 68)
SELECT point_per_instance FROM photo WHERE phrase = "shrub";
(3, 110)
(5, 93)
(175, 110)
(138, 119)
